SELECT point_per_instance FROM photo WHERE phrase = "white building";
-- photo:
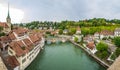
(91, 47)
(117, 32)
(106, 33)
(97, 35)
(26, 50)
(78, 36)
(65, 31)
(24, 47)
(78, 30)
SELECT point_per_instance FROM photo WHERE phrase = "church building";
(6, 25)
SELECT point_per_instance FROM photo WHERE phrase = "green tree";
(75, 39)
(104, 54)
(1, 28)
(102, 47)
(2, 34)
(117, 52)
(72, 31)
(117, 41)
(60, 31)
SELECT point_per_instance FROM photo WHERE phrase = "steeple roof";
(8, 16)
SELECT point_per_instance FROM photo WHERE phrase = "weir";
(56, 40)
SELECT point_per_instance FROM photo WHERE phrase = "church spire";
(8, 16)
(8, 19)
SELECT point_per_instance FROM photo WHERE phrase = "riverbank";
(64, 56)
(92, 55)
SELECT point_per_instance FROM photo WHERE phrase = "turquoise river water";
(63, 56)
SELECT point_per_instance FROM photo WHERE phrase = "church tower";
(8, 19)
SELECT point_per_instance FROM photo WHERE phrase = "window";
(23, 55)
(23, 47)
(10, 51)
(23, 60)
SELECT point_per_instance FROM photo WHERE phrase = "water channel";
(63, 56)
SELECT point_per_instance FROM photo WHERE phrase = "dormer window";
(23, 47)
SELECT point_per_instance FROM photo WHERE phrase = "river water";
(63, 56)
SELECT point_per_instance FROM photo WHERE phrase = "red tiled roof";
(4, 24)
(12, 36)
(22, 45)
(28, 43)
(107, 32)
(53, 32)
(12, 61)
(20, 31)
(91, 45)
(97, 33)
(5, 39)
(17, 47)
(78, 28)
(88, 37)
(34, 38)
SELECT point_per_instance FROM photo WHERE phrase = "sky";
(58, 10)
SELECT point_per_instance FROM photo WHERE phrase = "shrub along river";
(63, 56)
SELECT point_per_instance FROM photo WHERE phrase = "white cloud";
(58, 10)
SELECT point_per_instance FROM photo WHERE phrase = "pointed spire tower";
(8, 19)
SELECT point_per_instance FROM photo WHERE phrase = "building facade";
(117, 32)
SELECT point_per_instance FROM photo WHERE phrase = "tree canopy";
(102, 47)
(117, 41)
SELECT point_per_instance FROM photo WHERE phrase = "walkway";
(115, 65)
(95, 57)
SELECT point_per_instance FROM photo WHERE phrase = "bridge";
(57, 39)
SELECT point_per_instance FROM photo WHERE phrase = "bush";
(2, 34)
(113, 57)
(60, 31)
(102, 47)
(117, 41)
(76, 39)
(47, 32)
(72, 31)
(117, 52)
(104, 54)
(102, 50)
(105, 38)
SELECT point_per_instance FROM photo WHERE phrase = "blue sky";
(57, 10)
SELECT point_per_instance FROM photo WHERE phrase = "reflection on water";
(63, 56)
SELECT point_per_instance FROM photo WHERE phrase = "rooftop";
(91, 45)
(107, 32)
(4, 24)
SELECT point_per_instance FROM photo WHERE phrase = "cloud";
(57, 10)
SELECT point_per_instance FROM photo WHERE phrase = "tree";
(1, 28)
(102, 50)
(117, 52)
(102, 47)
(72, 31)
(60, 31)
(104, 54)
(2, 34)
(117, 41)
(75, 39)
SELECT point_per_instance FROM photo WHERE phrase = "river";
(63, 56)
